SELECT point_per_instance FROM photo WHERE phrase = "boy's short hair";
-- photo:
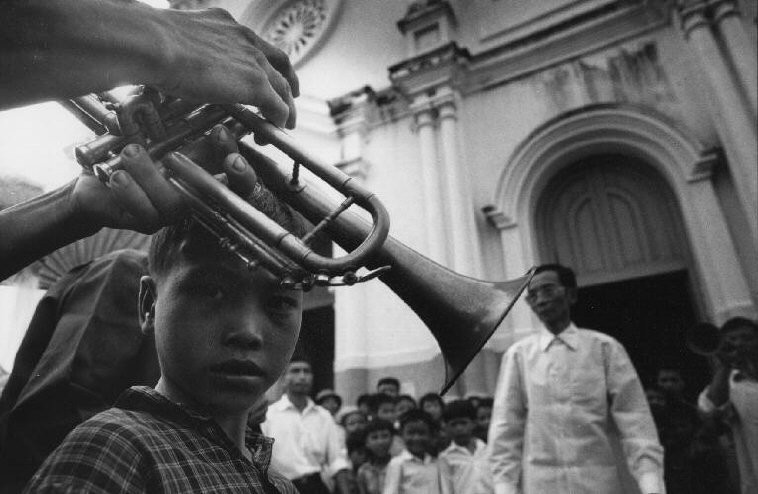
(417, 415)
(380, 399)
(355, 441)
(459, 409)
(431, 397)
(343, 416)
(388, 380)
(565, 274)
(378, 425)
(166, 242)
(364, 398)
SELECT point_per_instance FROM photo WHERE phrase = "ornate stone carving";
(188, 4)
(298, 27)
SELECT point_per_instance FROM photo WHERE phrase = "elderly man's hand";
(213, 59)
(139, 197)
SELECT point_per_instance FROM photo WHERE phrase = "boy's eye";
(282, 303)
(211, 291)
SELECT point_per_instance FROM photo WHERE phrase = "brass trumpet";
(462, 313)
(163, 125)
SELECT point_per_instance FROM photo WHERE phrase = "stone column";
(734, 123)
(712, 246)
(463, 235)
(727, 20)
(432, 191)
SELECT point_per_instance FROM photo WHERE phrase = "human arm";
(51, 49)
(631, 414)
(507, 427)
(393, 476)
(137, 198)
(446, 475)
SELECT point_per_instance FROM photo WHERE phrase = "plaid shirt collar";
(147, 399)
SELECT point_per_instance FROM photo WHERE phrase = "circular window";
(299, 26)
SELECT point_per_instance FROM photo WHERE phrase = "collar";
(407, 456)
(286, 404)
(568, 337)
(147, 399)
(479, 444)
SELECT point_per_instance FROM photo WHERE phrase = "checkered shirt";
(147, 443)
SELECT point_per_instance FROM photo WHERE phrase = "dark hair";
(389, 380)
(379, 425)
(344, 417)
(565, 275)
(406, 398)
(487, 401)
(380, 399)
(431, 397)
(417, 415)
(195, 242)
(364, 398)
(459, 409)
(355, 441)
(737, 323)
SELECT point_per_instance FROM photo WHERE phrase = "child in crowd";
(365, 405)
(352, 421)
(384, 407)
(377, 440)
(432, 404)
(414, 471)
(403, 404)
(223, 336)
(464, 467)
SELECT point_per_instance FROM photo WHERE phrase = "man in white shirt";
(560, 392)
(306, 438)
(732, 394)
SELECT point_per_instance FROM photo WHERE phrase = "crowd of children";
(397, 444)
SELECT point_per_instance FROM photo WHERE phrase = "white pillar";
(432, 187)
(463, 236)
(727, 20)
(735, 125)
(714, 251)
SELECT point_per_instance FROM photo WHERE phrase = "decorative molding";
(299, 27)
(497, 219)
(189, 4)
(425, 73)
(549, 48)
(422, 11)
(703, 168)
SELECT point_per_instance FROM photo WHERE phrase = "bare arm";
(59, 49)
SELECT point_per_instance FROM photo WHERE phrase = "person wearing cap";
(330, 400)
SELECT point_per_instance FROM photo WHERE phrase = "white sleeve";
(506, 434)
(631, 414)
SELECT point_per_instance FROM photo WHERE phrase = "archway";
(615, 221)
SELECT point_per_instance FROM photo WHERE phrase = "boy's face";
(461, 430)
(386, 411)
(379, 442)
(331, 404)
(387, 389)
(355, 422)
(433, 408)
(223, 334)
(417, 437)
(403, 406)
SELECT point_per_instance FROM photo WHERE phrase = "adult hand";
(139, 197)
(213, 59)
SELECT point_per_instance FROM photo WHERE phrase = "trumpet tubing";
(462, 313)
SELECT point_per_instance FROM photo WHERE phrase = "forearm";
(342, 481)
(33, 229)
(54, 48)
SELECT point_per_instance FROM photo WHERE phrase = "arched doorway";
(616, 221)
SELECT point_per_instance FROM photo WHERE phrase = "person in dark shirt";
(223, 335)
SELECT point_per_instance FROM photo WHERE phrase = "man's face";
(223, 334)
(671, 382)
(299, 378)
(460, 429)
(550, 300)
(387, 389)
